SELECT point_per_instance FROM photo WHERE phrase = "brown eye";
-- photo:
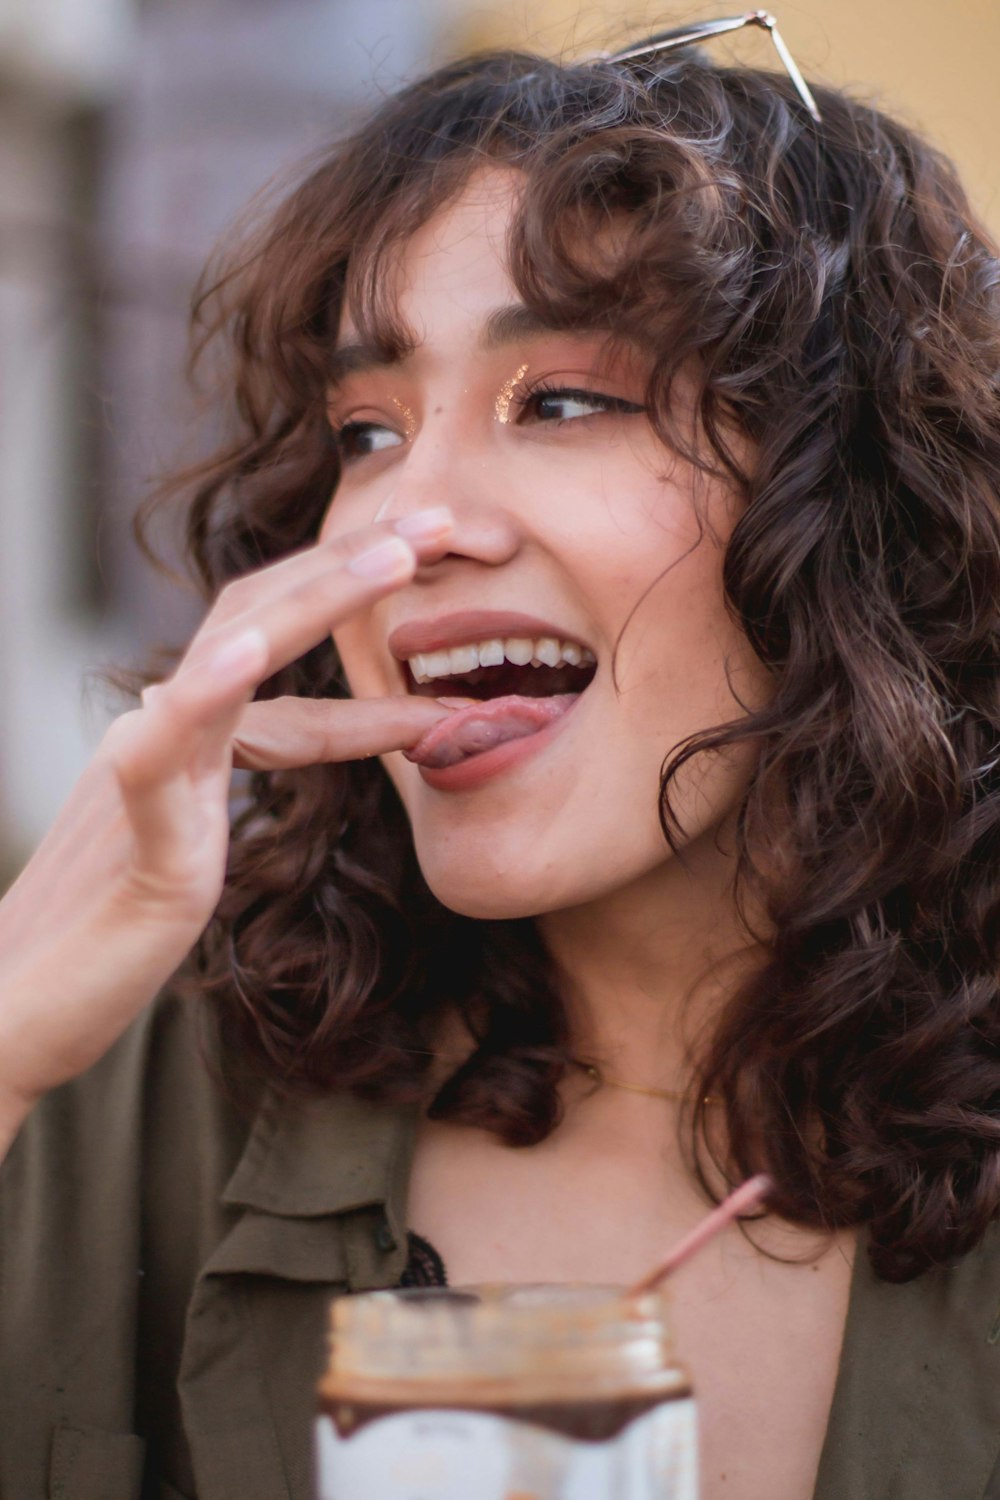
(359, 439)
(568, 405)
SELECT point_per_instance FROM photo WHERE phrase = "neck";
(646, 968)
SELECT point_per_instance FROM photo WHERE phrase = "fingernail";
(425, 525)
(456, 702)
(392, 558)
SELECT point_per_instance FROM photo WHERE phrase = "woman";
(664, 417)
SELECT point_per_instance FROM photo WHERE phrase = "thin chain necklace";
(640, 1088)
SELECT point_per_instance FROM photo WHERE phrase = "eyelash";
(343, 435)
(532, 397)
(535, 394)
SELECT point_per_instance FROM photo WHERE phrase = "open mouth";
(510, 700)
(506, 680)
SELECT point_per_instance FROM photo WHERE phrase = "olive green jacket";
(166, 1264)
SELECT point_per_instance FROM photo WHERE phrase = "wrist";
(14, 1110)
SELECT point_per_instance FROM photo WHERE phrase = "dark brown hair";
(832, 287)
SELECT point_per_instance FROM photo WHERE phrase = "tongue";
(483, 726)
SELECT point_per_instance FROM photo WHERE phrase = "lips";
(488, 730)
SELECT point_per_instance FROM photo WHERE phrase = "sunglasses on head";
(699, 31)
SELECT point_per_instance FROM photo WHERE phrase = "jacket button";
(384, 1237)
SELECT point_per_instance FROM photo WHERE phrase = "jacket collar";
(319, 1194)
(328, 1155)
(315, 1206)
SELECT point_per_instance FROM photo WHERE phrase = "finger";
(203, 694)
(190, 718)
(238, 604)
(150, 749)
(287, 732)
(349, 576)
(307, 614)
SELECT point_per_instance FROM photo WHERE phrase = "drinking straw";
(748, 1195)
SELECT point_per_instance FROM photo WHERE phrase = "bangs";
(622, 225)
(603, 237)
(369, 282)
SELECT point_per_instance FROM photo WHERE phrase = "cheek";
(349, 511)
(682, 662)
(353, 643)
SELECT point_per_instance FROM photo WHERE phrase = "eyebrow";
(503, 326)
(508, 325)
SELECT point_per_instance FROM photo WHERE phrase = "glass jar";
(505, 1393)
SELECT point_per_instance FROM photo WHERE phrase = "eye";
(359, 439)
(545, 404)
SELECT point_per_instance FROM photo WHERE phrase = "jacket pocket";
(89, 1464)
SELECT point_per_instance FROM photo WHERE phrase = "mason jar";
(504, 1393)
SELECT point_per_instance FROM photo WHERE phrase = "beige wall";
(935, 63)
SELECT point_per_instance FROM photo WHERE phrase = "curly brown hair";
(840, 302)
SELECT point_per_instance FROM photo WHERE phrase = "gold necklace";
(640, 1088)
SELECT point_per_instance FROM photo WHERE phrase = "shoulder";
(109, 1204)
(96, 1136)
(99, 1155)
(918, 1390)
(952, 1310)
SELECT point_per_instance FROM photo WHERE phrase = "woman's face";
(568, 510)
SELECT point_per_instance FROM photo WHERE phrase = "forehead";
(450, 272)
(446, 291)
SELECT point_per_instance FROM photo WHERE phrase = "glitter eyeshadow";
(506, 395)
(409, 420)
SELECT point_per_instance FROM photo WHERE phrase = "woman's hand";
(130, 873)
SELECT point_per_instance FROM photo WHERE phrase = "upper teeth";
(546, 651)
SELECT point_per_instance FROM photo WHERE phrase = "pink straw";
(748, 1195)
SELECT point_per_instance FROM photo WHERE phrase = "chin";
(482, 891)
(490, 908)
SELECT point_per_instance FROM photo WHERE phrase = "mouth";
(510, 689)
(534, 679)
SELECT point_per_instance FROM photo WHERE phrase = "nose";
(486, 529)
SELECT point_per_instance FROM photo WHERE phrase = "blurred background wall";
(131, 133)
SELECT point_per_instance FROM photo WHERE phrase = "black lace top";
(425, 1266)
